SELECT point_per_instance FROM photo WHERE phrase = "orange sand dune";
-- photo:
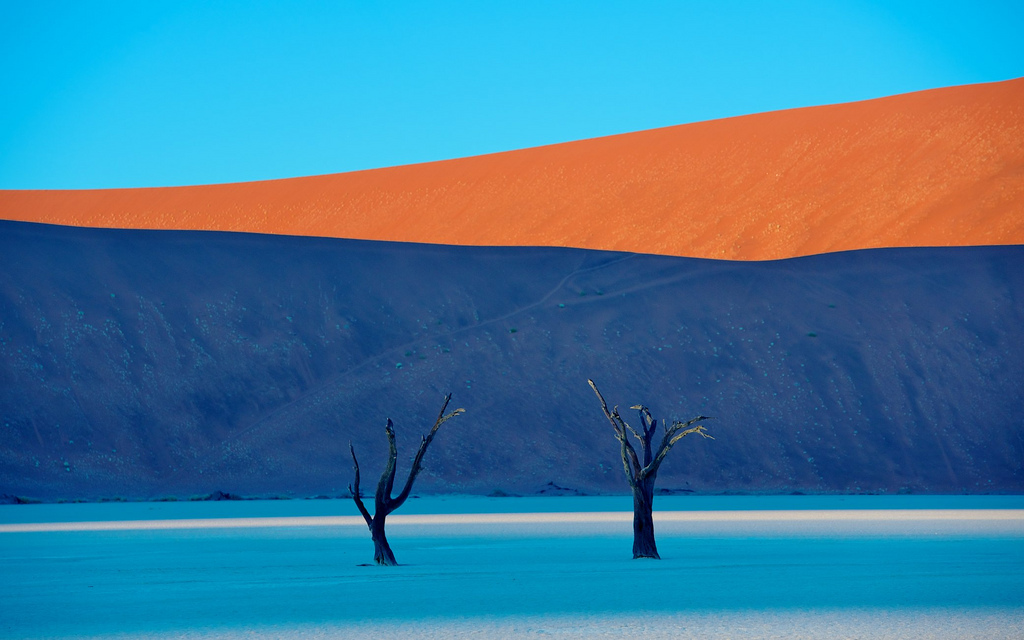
(936, 168)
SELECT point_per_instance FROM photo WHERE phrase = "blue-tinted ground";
(233, 581)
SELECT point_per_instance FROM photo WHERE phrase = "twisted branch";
(384, 504)
(674, 434)
(626, 450)
(636, 472)
(649, 425)
(354, 488)
(387, 477)
(417, 462)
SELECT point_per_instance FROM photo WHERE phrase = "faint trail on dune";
(333, 380)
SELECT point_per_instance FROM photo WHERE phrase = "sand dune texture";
(143, 364)
(936, 168)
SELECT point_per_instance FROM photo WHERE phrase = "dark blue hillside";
(145, 364)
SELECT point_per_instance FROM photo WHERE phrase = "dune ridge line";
(943, 167)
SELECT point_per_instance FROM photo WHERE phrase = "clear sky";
(134, 93)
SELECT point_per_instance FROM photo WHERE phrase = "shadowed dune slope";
(149, 363)
(936, 168)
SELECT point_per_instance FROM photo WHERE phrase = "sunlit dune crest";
(936, 168)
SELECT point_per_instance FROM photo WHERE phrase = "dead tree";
(383, 502)
(641, 476)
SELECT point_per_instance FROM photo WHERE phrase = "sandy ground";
(727, 573)
(935, 168)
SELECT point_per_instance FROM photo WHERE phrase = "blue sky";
(160, 93)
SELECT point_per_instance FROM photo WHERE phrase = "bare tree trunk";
(382, 553)
(643, 521)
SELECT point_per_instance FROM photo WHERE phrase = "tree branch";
(674, 434)
(626, 450)
(417, 462)
(354, 488)
(678, 426)
(630, 452)
(639, 437)
(649, 424)
(604, 407)
(646, 420)
(382, 499)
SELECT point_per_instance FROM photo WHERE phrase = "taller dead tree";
(383, 502)
(641, 475)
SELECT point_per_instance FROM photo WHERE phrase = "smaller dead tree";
(641, 476)
(383, 502)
